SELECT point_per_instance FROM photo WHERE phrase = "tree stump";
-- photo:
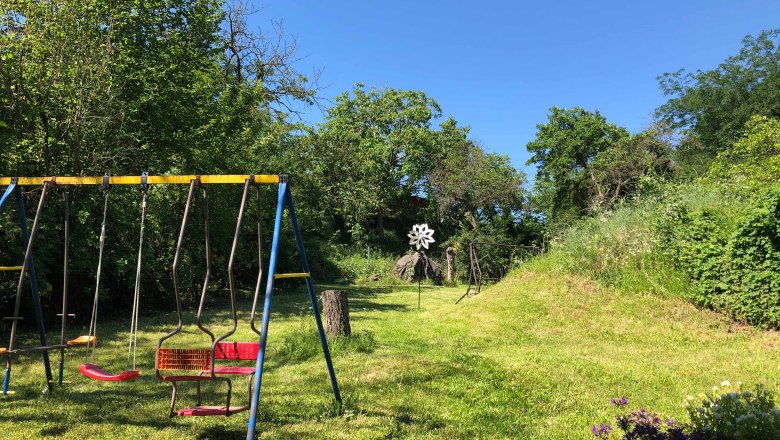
(450, 252)
(336, 308)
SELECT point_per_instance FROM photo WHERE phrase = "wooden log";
(336, 309)
(450, 252)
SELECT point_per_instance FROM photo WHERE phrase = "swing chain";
(92, 338)
(133, 344)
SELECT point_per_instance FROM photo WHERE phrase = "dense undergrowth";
(714, 240)
(701, 242)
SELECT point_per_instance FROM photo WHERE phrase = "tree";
(562, 151)
(716, 104)
(373, 153)
(165, 86)
(616, 172)
(470, 185)
(754, 162)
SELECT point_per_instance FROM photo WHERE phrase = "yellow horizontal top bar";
(292, 275)
(9, 268)
(136, 180)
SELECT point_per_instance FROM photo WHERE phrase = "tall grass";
(618, 249)
(360, 266)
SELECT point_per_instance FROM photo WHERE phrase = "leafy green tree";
(563, 149)
(716, 104)
(617, 171)
(470, 185)
(754, 161)
(373, 153)
(165, 86)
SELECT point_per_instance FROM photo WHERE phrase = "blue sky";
(498, 66)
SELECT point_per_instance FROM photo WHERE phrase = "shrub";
(754, 161)
(735, 414)
(753, 273)
(733, 259)
(641, 425)
(726, 413)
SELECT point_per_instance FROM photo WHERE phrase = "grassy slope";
(537, 356)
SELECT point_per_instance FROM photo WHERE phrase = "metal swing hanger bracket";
(206, 179)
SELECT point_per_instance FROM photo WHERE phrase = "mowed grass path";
(537, 356)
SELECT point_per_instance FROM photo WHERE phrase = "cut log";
(450, 252)
(336, 309)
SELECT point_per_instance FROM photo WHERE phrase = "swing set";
(218, 361)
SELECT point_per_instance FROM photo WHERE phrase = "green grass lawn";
(537, 356)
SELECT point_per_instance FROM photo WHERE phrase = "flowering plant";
(726, 413)
(729, 412)
(640, 425)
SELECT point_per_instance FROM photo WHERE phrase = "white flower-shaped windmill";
(421, 236)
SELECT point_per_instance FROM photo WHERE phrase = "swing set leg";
(285, 199)
(7, 379)
(62, 369)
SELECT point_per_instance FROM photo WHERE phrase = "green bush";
(753, 266)
(353, 265)
(732, 259)
(735, 414)
(725, 413)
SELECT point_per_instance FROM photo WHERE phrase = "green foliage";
(618, 248)
(716, 104)
(89, 87)
(353, 265)
(731, 257)
(753, 277)
(562, 151)
(372, 154)
(695, 241)
(735, 414)
(617, 172)
(469, 185)
(496, 251)
(754, 161)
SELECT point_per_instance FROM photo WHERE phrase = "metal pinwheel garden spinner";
(421, 236)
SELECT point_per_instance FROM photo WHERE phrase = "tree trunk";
(473, 220)
(336, 308)
(380, 225)
(450, 252)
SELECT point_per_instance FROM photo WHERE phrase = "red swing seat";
(237, 351)
(205, 411)
(92, 371)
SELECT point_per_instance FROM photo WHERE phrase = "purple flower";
(601, 431)
(618, 401)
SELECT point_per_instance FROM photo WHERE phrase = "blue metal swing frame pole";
(285, 198)
(33, 276)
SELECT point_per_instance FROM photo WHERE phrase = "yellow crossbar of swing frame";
(292, 275)
(205, 179)
(10, 268)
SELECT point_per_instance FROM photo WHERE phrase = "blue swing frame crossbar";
(285, 199)
(27, 266)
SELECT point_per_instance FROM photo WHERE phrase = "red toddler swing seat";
(92, 371)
